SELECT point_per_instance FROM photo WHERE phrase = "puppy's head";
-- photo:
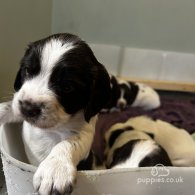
(58, 77)
(127, 93)
(123, 92)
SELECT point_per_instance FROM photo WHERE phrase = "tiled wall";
(21, 22)
(146, 64)
(153, 24)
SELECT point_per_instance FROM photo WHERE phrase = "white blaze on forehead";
(52, 52)
(120, 81)
(37, 87)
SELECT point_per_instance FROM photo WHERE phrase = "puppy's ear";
(100, 92)
(20, 74)
(19, 80)
(20, 77)
(113, 81)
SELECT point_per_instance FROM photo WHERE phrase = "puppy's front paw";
(55, 177)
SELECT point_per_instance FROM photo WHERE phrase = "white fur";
(177, 142)
(60, 165)
(147, 98)
(122, 100)
(52, 52)
(123, 139)
(37, 90)
(56, 151)
(140, 150)
(52, 115)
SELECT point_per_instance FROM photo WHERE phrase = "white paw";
(54, 177)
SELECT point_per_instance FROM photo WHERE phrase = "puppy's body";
(60, 87)
(127, 147)
(178, 143)
(127, 93)
(147, 98)
(39, 142)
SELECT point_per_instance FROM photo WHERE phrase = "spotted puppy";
(177, 142)
(127, 93)
(60, 88)
(128, 147)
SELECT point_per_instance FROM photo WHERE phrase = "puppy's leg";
(57, 173)
(6, 113)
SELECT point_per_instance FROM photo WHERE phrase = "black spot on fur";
(133, 92)
(115, 93)
(123, 153)
(68, 190)
(87, 163)
(150, 134)
(159, 156)
(29, 65)
(115, 134)
(72, 89)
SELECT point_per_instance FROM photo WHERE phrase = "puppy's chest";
(38, 143)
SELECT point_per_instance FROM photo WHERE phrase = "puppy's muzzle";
(30, 109)
(121, 104)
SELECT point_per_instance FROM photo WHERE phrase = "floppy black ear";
(100, 92)
(113, 81)
(19, 80)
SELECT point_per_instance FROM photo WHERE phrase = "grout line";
(120, 60)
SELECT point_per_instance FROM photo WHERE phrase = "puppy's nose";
(121, 104)
(30, 109)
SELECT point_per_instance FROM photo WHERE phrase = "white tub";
(19, 174)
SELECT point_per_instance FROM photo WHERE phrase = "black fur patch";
(68, 190)
(80, 81)
(130, 93)
(87, 163)
(115, 134)
(29, 65)
(156, 157)
(71, 88)
(123, 153)
(150, 134)
(115, 93)
(133, 93)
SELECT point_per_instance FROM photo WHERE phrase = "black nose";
(30, 109)
(121, 105)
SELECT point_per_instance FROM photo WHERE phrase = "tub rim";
(9, 158)
(32, 168)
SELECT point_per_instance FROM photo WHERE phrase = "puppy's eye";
(67, 88)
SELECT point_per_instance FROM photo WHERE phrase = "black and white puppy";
(127, 93)
(177, 142)
(127, 147)
(60, 88)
